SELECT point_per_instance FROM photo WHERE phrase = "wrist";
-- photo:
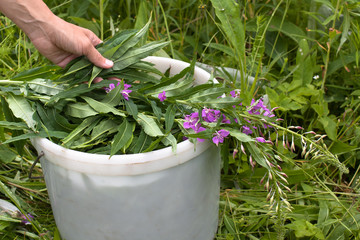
(31, 16)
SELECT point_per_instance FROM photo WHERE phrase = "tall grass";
(303, 54)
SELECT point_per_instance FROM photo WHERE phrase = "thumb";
(96, 58)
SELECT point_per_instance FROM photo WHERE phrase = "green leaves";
(228, 11)
(303, 228)
(101, 107)
(22, 109)
(45, 86)
(150, 126)
(122, 137)
(134, 55)
(6, 155)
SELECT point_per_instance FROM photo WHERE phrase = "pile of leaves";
(135, 108)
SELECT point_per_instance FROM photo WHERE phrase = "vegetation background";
(303, 54)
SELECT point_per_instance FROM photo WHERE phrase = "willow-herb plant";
(138, 109)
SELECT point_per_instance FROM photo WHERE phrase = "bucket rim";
(125, 164)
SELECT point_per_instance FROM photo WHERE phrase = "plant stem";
(10, 82)
(328, 50)
(167, 29)
(101, 6)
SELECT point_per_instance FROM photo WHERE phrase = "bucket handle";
(33, 165)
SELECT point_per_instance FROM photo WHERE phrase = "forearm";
(29, 15)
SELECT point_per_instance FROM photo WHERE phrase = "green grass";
(284, 45)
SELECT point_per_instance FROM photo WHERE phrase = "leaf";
(9, 116)
(105, 126)
(142, 143)
(80, 110)
(342, 229)
(342, 61)
(166, 82)
(13, 125)
(208, 133)
(122, 137)
(223, 48)
(131, 42)
(304, 72)
(114, 43)
(170, 117)
(78, 90)
(287, 27)
(8, 193)
(219, 103)
(330, 127)
(323, 212)
(41, 134)
(170, 140)
(45, 86)
(101, 107)
(132, 75)
(339, 148)
(242, 137)
(131, 108)
(303, 228)
(95, 72)
(113, 98)
(213, 92)
(6, 155)
(22, 109)
(77, 66)
(98, 129)
(345, 30)
(39, 72)
(79, 129)
(7, 219)
(156, 110)
(134, 55)
(230, 226)
(256, 154)
(228, 11)
(149, 125)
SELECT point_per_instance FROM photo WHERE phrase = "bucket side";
(178, 203)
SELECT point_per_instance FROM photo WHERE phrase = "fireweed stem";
(332, 158)
(8, 82)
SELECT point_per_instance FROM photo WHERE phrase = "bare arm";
(56, 39)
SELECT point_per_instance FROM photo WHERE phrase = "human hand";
(61, 42)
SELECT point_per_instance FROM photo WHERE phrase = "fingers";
(96, 58)
(93, 55)
(66, 60)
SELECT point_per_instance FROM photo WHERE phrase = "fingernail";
(109, 62)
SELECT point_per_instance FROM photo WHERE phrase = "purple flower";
(192, 121)
(247, 130)
(162, 96)
(225, 120)
(26, 219)
(200, 129)
(260, 139)
(235, 93)
(259, 108)
(210, 115)
(255, 108)
(125, 92)
(219, 136)
(111, 87)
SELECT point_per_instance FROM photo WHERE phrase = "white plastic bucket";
(158, 195)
